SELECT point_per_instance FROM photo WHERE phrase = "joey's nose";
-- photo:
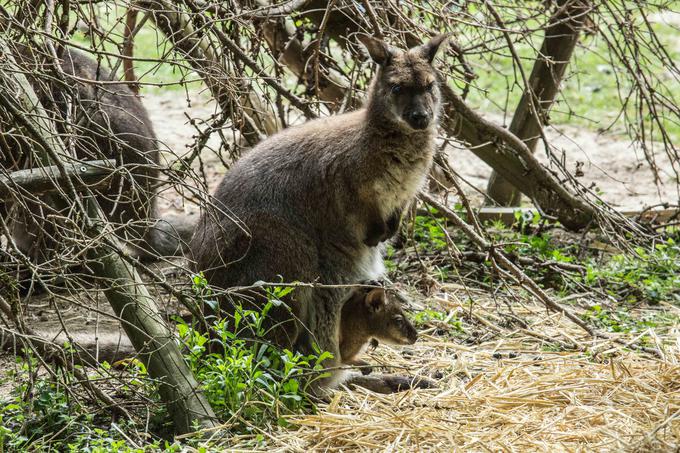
(418, 119)
(412, 336)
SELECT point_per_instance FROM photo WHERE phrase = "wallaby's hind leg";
(167, 236)
(390, 383)
(269, 249)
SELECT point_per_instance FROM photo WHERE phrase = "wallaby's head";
(387, 321)
(405, 89)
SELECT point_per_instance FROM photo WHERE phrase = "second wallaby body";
(370, 315)
(313, 202)
(102, 120)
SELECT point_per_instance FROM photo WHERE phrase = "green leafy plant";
(428, 317)
(45, 416)
(251, 381)
(428, 231)
(648, 276)
(619, 320)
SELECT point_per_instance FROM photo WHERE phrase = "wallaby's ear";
(378, 50)
(429, 49)
(375, 299)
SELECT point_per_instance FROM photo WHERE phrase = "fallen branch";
(46, 179)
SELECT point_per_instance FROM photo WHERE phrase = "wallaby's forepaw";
(376, 283)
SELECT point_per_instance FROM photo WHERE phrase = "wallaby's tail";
(169, 236)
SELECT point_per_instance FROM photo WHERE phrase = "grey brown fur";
(110, 122)
(367, 316)
(313, 202)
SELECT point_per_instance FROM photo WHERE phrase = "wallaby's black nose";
(418, 119)
(412, 336)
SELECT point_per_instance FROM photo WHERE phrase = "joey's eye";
(429, 87)
(398, 319)
(396, 89)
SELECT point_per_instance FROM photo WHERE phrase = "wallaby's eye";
(396, 89)
(398, 319)
(429, 87)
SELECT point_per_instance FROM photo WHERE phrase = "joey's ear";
(378, 50)
(375, 299)
(429, 49)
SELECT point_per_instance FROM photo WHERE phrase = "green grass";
(590, 96)
(156, 65)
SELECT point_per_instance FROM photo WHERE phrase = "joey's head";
(405, 90)
(386, 319)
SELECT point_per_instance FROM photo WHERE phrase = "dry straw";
(508, 393)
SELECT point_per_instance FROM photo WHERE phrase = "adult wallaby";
(313, 202)
(107, 122)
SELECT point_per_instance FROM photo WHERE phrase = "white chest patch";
(371, 265)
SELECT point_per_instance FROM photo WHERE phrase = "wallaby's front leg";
(379, 229)
(375, 232)
(392, 223)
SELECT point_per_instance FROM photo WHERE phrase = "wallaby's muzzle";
(418, 119)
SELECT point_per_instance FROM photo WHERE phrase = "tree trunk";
(125, 289)
(531, 113)
(199, 53)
